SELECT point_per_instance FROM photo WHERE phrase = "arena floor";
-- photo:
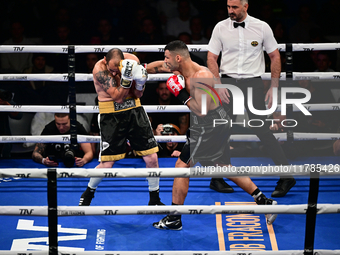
(135, 232)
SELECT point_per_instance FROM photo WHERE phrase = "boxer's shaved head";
(114, 53)
(178, 47)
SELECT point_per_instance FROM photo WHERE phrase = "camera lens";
(69, 158)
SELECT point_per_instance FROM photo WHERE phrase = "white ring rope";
(63, 77)
(164, 172)
(193, 172)
(145, 48)
(173, 210)
(148, 108)
(164, 139)
(87, 109)
(64, 251)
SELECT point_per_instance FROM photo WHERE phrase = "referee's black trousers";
(267, 138)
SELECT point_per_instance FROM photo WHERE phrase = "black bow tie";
(242, 24)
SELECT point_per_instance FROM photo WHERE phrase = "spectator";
(180, 23)
(280, 32)
(86, 63)
(267, 14)
(41, 119)
(91, 60)
(6, 99)
(39, 66)
(168, 9)
(196, 29)
(220, 14)
(16, 62)
(170, 149)
(42, 92)
(149, 33)
(63, 16)
(105, 32)
(197, 37)
(164, 97)
(51, 153)
(61, 36)
(300, 32)
(198, 57)
(323, 62)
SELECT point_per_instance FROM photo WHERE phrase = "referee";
(241, 39)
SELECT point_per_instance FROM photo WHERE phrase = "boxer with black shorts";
(206, 143)
(119, 80)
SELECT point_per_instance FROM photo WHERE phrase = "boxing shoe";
(270, 217)
(261, 199)
(154, 198)
(283, 186)
(220, 185)
(168, 223)
(86, 197)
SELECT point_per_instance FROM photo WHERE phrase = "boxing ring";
(317, 179)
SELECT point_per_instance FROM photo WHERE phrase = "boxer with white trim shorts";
(206, 143)
(119, 81)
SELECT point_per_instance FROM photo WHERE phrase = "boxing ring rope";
(63, 77)
(164, 139)
(148, 108)
(193, 172)
(173, 210)
(311, 209)
(147, 48)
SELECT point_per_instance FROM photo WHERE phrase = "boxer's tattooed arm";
(38, 152)
(105, 80)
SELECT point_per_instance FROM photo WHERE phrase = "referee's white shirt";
(242, 48)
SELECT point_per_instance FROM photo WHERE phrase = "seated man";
(169, 149)
(50, 154)
(164, 97)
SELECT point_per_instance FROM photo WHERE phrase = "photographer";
(171, 149)
(6, 99)
(51, 153)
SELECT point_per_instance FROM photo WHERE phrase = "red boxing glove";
(176, 85)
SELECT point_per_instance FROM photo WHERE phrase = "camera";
(5, 95)
(68, 157)
(170, 129)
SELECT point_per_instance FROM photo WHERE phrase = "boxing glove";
(126, 67)
(140, 76)
(176, 85)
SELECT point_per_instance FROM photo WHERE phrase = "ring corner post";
(311, 212)
(52, 211)
(72, 96)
